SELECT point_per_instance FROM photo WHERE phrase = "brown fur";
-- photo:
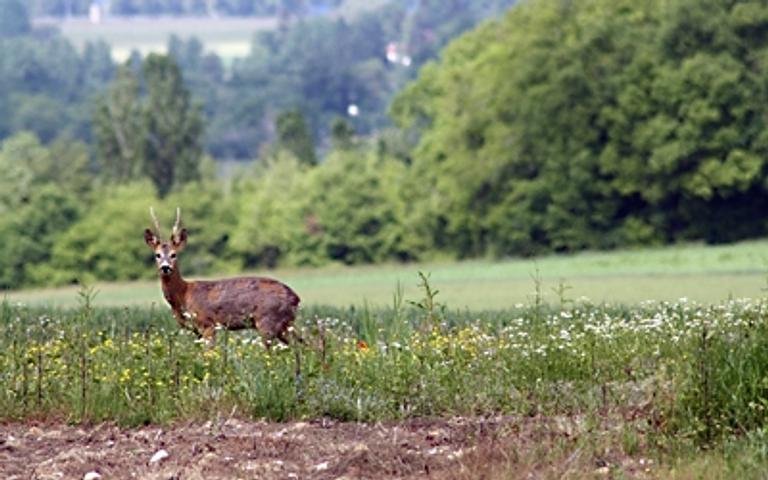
(262, 303)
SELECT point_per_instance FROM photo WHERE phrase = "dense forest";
(558, 126)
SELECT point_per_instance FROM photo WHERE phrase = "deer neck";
(175, 290)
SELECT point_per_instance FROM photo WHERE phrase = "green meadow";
(679, 382)
(707, 274)
(227, 37)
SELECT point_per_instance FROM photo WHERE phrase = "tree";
(43, 90)
(272, 221)
(118, 128)
(158, 135)
(294, 135)
(42, 115)
(27, 235)
(326, 64)
(28, 165)
(348, 209)
(97, 246)
(291, 8)
(354, 210)
(14, 18)
(173, 126)
(98, 67)
(40, 190)
(342, 134)
(571, 125)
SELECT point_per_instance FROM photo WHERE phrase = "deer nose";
(165, 269)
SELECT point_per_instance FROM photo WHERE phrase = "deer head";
(166, 253)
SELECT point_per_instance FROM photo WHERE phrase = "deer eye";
(173, 255)
(157, 255)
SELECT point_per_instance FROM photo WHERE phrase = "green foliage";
(271, 220)
(106, 243)
(354, 210)
(14, 18)
(173, 126)
(208, 213)
(295, 136)
(563, 126)
(158, 136)
(348, 210)
(41, 81)
(27, 165)
(570, 125)
(41, 193)
(100, 247)
(118, 129)
(320, 59)
(342, 134)
(29, 232)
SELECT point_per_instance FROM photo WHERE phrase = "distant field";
(227, 37)
(702, 273)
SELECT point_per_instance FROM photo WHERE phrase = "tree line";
(561, 126)
(595, 124)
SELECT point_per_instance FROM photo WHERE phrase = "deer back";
(244, 302)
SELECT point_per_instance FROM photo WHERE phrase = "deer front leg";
(181, 319)
(207, 331)
(187, 321)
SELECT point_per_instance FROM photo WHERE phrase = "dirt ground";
(321, 449)
(236, 449)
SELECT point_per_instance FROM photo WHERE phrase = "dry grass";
(562, 447)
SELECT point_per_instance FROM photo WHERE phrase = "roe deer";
(262, 303)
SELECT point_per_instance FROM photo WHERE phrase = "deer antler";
(154, 219)
(177, 225)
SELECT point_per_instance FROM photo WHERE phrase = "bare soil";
(319, 449)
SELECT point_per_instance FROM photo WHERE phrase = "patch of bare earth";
(500, 447)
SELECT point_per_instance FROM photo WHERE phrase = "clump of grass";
(723, 387)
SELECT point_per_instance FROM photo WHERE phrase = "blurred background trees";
(556, 127)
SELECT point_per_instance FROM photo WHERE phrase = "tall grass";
(679, 369)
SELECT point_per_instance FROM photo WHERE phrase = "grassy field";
(613, 386)
(608, 387)
(229, 37)
(708, 274)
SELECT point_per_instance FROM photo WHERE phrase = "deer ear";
(179, 239)
(151, 238)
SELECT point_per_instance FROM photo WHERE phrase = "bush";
(106, 244)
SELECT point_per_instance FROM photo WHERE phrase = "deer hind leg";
(276, 325)
(285, 335)
(267, 325)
